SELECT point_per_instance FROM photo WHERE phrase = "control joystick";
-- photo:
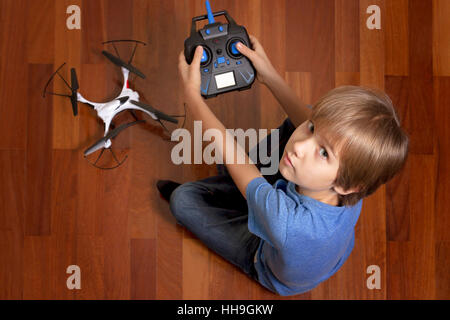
(222, 67)
(206, 57)
(231, 48)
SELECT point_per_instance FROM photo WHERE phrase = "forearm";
(296, 110)
(242, 174)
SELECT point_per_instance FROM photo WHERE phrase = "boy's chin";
(286, 174)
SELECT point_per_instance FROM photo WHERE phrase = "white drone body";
(128, 99)
(108, 110)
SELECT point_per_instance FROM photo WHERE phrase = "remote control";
(223, 68)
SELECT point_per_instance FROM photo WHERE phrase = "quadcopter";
(127, 100)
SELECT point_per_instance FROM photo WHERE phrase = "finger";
(255, 42)
(253, 38)
(246, 51)
(182, 59)
(197, 56)
(182, 65)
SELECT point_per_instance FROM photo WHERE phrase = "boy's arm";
(296, 110)
(242, 174)
(267, 74)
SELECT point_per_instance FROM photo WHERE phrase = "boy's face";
(309, 162)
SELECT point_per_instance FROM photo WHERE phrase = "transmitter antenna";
(209, 11)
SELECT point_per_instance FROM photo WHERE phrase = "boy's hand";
(259, 58)
(190, 74)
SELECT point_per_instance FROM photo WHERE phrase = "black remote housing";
(222, 58)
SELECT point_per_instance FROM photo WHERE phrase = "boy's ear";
(343, 192)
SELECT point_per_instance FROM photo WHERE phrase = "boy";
(293, 230)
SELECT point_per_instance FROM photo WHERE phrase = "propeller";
(159, 114)
(74, 87)
(101, 143)
(117, 61)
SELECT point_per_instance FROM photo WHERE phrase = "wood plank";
(441, 38)
(196, 272)
(420, 39)
(442, 277)
(347, 35)
(397, 38)
(420, 104)
(67, 50)
(93, 26)
(90, 205)
(12, 207)
(144, 196)
(64, 192)
(347, 79)
(412, 263)
(40, 26)
(37, 276)
(143, 269)
(319, 57)
(397, 190)
(115, 195)
(227, 281)
(12, 190)
(300, 82)
(39, 154)
(89, 256)
(13, 76)
(372, 47)
(421, 72)
(442, 153)
(371, 230)
(371, 234)
(169, 258)
(11, 272)
(45, 262)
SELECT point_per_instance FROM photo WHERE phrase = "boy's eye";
(323, 154)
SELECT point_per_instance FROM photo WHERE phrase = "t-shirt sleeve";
(268, 210)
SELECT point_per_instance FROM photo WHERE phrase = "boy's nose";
(301, 147)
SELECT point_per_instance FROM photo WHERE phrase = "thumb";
(197, 56)
(246, 51)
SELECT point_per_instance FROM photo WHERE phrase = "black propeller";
(101, 143)
(117, 61)
(74, 87)
(157, 113)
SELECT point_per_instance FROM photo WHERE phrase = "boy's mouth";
(287, 160)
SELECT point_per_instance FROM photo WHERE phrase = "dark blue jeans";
(215, 211)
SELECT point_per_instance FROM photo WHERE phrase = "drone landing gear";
(73, 87)
(100, 144)
(118, 163)
(175, 116)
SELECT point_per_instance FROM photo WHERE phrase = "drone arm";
(125, 78)
(135, 107)
(81, 99)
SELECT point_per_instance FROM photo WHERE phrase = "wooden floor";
(57, 210)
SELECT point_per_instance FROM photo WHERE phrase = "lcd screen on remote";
(225, 80)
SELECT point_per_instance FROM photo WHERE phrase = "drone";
(127, 100)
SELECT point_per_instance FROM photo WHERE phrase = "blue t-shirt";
(303, 241)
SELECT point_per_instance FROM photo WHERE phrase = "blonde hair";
(362, 125)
